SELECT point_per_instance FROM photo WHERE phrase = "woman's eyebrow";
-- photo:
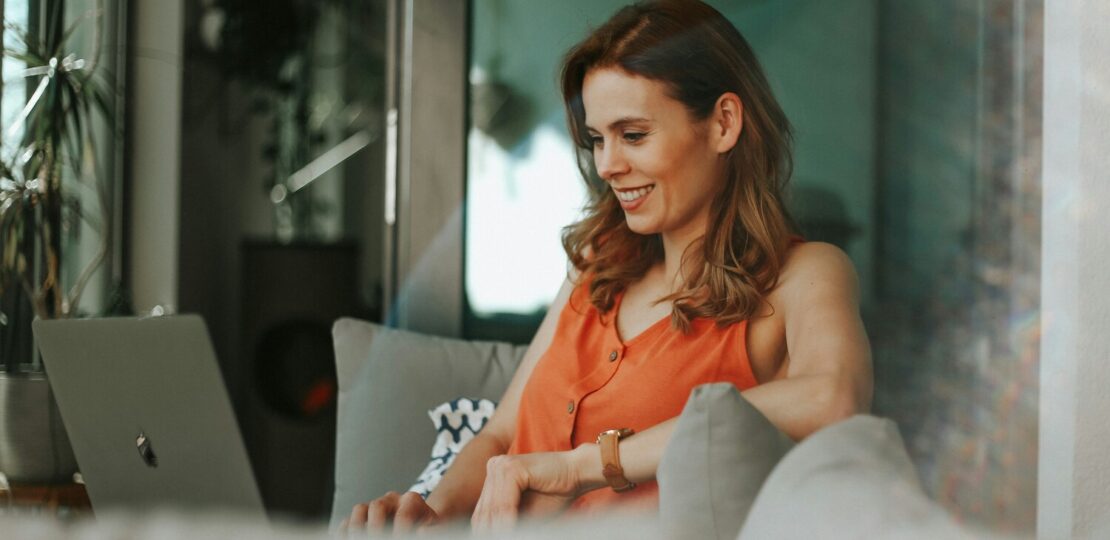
(621, 122)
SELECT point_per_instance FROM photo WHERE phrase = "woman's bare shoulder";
(806, 254)
(814, 267)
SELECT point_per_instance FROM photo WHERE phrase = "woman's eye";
(634, 137)
(596, 141)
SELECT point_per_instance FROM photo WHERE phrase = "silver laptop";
(148, 415)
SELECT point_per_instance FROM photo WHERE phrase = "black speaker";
(291, 294)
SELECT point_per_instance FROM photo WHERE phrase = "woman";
(685, 270)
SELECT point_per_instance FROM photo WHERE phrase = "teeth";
(629, 196)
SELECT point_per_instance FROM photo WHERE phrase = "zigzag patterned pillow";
(456, 422)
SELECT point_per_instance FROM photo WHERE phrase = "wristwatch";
(608, 441)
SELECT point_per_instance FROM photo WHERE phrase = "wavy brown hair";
(699, 56)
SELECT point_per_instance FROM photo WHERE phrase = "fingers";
(497, 506)
(357, 520)
(373, 515)
(412, 510)
(404, 511)
(541, 505)
(380, 511)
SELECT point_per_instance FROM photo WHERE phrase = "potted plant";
(42, 179)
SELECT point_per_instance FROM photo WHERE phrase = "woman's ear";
(727, 122)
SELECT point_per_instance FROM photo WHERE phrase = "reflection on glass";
(519, 202)
(956, 328)
(14, 85)
(522, 182)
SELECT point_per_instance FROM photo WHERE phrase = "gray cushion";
(388, 380)
(712, 469)
(852, 479)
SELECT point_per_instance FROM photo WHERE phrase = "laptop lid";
(148, 415)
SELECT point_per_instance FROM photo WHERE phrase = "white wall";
(156, 64)
(1074, 481)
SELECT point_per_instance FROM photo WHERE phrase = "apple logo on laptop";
(146, 451)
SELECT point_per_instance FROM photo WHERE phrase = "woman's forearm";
(640, 456)
(806, 403)
(797, 406)
(458, 491)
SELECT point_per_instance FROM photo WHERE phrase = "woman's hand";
(532, 484)
(405, 511)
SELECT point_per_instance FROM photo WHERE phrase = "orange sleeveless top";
(589, 380)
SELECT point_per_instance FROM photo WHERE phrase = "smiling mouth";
(630, 195)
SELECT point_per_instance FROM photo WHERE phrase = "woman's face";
(657, 159)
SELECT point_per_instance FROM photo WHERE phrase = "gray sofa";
(727, 472)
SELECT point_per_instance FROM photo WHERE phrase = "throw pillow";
(388, 379)
(456, 422)
(721, 451)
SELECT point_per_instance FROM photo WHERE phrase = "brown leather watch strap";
(609, 443)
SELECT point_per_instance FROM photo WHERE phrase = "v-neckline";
(616, 327)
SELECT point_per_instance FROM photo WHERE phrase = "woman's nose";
(609, 162)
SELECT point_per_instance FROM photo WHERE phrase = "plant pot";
(34, 448)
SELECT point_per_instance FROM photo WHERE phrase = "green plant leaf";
(53, 37)
(37, 203)
(93, 14)
(98, 90)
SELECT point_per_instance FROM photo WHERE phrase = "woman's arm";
(458, 491)
(828, 379)
(797, 406)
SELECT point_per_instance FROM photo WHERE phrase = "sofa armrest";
(851, 479)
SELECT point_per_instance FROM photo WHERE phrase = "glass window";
(917, 128)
